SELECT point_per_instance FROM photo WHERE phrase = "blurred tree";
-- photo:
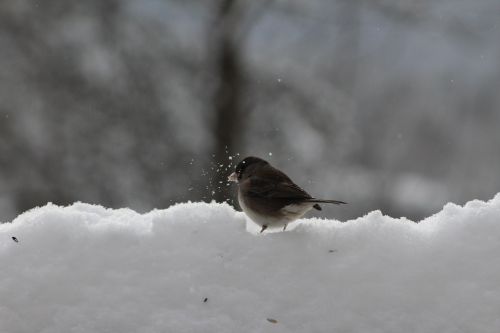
(104, 131)
(228, 107)
(128, 103)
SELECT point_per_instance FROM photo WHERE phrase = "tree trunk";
(228, 113)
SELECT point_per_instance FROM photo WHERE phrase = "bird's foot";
(264, 227)
(284, 227)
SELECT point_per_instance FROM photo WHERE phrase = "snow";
(199, 267)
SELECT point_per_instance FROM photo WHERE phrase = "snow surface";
(198, 267)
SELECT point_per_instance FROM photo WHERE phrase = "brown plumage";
(269, 197)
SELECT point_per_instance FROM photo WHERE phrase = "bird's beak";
(233, 177)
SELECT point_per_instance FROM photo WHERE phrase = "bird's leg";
(264, 227)
(284, 227)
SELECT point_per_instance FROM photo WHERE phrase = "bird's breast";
(259, 212)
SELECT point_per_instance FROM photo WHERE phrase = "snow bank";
(194, 267)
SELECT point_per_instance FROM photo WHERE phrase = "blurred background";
(385, 104)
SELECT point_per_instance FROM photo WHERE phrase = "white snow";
(85, 268)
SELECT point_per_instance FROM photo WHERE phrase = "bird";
(269, 197)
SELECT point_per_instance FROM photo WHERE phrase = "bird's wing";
(270, 188)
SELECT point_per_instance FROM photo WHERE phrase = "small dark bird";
(269, 197)
(15, 239)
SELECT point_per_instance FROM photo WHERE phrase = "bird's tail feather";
(336, 202)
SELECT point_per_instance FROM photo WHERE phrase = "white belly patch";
(296, 211)
(290, 214)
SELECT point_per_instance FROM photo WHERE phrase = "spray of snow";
(195, 267)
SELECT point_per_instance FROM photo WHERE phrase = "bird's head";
(245, 168)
